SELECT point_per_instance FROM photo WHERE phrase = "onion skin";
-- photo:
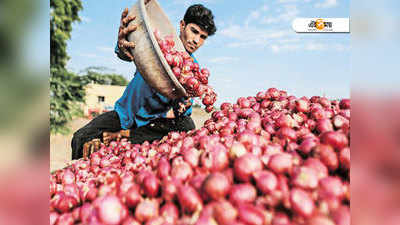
(225, 213)
(251, 215)
(242, 193)
(246, 165)
(188, 198)
(216, 186)
(266, 181)
(146, 210)
(301, 202)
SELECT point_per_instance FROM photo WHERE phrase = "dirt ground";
(60, 145)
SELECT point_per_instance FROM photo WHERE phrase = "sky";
(253, 49)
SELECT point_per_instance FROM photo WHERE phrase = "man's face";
(192, 36)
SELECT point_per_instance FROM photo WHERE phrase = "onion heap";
(188, 72)
(266, 159)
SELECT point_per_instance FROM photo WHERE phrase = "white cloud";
(326, 4)
(224, 59)
(286, 47)
(255, 14)
(289, 13)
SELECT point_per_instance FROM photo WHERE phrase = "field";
(60, 145)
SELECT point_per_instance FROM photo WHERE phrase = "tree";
(99, 75)
(66, 88)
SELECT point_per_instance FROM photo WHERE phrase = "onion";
(251, 215)
(132, 196)
(169, 212)
(242, 193)
(191, 156)
(344, 158)
(317, 166)
(320, 220)
(342, 216)
(246, 165)
(151, 185)
(305, 178)
(280, 163)
(266, 181)
(216, 186)
(181, 171)
(146, 210)
(331, 186)
(328, 156)
(301, 202)
(164, 168)
(53, 218)
(280, 219)
(130, 221)
(65, 219)
(344, 104)
(189, 199)
(336, 139)
(169, 189)
(225, 213)
(110, 210)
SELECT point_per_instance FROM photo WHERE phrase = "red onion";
(170, 212)
(110, 210)
(301, 202)
(328, 156)
(242, 193)
(146, 210)
(245, 166)
(335, 139)
(151, 185)
(216, 186)
(251, 215)
(280, 163)
(305, 178)
(225, 213)
(266, 181)
(189, 199)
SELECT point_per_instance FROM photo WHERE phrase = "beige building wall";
(100, 96)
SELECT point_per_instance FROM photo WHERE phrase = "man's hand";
(114, 136)
(90, 147)
(124, 30)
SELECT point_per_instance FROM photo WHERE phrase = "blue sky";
(254, 48)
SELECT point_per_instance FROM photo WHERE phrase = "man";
(142, 114)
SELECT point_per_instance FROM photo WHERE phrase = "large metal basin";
(147, 54)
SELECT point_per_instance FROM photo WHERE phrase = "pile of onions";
(188, 72)
(266, 159)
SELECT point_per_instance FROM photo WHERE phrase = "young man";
(142, 113)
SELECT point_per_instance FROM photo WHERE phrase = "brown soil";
(60, 145)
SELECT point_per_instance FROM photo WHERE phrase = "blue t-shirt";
(140, 103)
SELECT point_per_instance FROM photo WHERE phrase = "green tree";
(66, 88)
(99, 75)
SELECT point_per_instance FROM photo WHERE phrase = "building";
(101, 98)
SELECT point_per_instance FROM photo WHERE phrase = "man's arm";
(123, 45)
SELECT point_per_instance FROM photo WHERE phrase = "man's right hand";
(124, 30)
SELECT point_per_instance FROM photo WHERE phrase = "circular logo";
(320, 24)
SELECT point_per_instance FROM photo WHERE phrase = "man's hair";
(201, 16)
